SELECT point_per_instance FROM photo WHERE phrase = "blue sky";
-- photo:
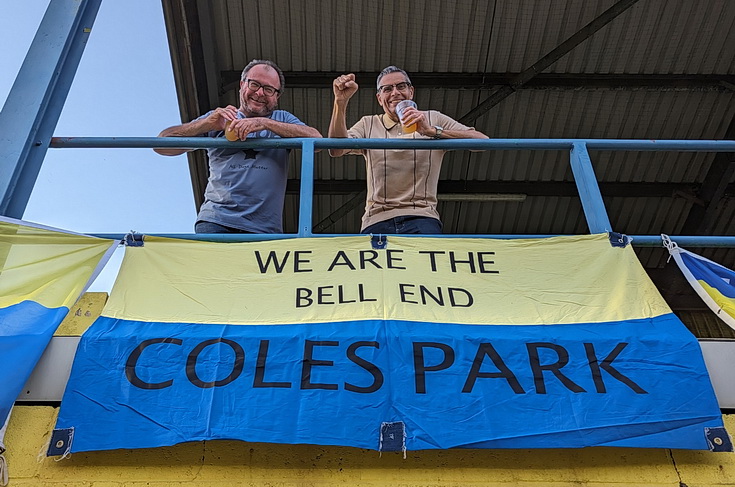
(123, 87)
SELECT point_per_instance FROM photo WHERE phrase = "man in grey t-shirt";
(246, 188)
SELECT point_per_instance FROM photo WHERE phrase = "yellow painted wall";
(230, 463)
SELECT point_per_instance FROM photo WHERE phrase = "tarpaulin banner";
(714, 283)
(42, 274)
(426, 343)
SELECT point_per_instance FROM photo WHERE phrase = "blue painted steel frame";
(581, 164)
(589, 191)
(37, 97)
(306, 202)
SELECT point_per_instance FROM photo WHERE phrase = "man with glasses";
(246, 187)
(401, 184)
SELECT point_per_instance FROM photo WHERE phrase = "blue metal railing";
(584, 176)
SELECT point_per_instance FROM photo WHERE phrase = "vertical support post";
(306, 195)
(37, 97)
(589, 190)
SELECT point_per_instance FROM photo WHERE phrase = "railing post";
(306, 195)
(37, 97)
(589, 191)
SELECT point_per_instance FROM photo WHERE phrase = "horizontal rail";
(594, 214)
(473, 144)
(637, 240)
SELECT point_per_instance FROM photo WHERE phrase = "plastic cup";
(399, 111)
(230, 134)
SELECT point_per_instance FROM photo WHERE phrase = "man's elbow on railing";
(168, 151)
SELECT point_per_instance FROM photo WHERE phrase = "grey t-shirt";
(246, 187)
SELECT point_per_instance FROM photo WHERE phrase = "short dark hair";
(389, 70)
(256, 62)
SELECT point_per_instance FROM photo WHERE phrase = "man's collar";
(388, 122)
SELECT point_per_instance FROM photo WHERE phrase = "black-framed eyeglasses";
(267, 89)
(403, 86)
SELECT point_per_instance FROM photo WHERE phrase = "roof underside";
(645, 69)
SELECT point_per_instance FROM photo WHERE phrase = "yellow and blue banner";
(714, 283)
(42, 273)
(422, 343)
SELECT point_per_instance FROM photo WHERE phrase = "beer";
(399, 111)
(230, 134)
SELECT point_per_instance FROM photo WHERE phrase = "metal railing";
(583, 172)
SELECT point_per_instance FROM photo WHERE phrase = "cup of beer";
(399, 111)
(230, 134)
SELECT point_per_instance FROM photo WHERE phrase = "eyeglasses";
(255, 86)
(386, 89)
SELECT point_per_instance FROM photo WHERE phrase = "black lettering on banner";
(458, 297)
(481, 260)
(455, 260)
(260, 364)
(606, 364)
(363, 299)
(322, 293)
(364, 259)
(392, 258)
(554, 368)
(404, 293)
(453, 291)
(132, 362)
(309, 362)
(272, 258)
(369, 366)
(432, 257)
(487, 349)
(237, 366)
(419, 366)
(438, 299)
(303, 295)
(341, 256)
(298, 261)
(341, 292)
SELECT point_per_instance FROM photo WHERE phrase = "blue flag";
(42, 273)
(714, 283)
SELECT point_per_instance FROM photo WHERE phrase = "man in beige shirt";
(401, 184)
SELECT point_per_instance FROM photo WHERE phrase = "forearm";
(291, 130)
(463, 134)
(338, 127)
(458, 134)
(191, 129)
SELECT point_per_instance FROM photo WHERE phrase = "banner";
(42, 274)
(426, 343)
(714, 283)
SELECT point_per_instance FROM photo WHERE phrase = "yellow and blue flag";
(421, 343)
(42, 273)
(714, 283)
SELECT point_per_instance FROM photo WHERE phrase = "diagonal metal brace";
(557, 53)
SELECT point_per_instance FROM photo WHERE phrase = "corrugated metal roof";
(653, 36)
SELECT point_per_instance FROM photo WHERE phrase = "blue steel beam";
(689, 241)
(589, 191)
(453, 144)
(306, 198)
(37, 97)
